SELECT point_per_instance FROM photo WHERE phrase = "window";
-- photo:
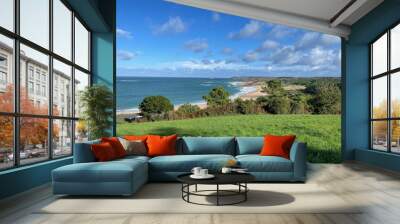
(62, 74)
(81, 45)
(62, 29)
(385, 94)
(31, 76)
(44, 111)
(81, 82)
(6, 73)
(35, 21)
(7, 14)
(3, 78)
(30, 88)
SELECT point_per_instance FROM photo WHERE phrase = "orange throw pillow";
(277, 145)
(116, 145)
(103, 152)
(161, 145)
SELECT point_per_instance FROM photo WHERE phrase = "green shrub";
(217, 97)
(154, 107)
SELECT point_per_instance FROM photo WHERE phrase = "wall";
(356, 82)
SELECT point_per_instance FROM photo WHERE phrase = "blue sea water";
(132, 90)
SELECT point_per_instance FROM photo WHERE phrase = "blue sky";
(158, 38)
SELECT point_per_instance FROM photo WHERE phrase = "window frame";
(16, 114)
(388, 74)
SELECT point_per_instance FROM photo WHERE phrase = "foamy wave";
(243, 91)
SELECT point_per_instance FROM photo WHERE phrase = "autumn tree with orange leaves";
(33, 131)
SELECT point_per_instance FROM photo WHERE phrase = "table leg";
(245, 193)
(217, 194)
(195, 188)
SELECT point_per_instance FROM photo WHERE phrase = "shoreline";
(248, 90)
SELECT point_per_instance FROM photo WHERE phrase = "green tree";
(246, 106)
(325, 98)
(155, 105)
(97, 104)
(273, 86)
(187, 109)
(275, 104)
(217, 97)
(298, 104)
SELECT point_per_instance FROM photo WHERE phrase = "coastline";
(248, 90)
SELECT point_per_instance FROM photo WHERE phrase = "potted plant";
(96, 102)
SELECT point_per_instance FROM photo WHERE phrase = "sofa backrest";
(249, 145)
(207, 145)
(83, 152)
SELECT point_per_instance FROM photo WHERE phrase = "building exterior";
(34, 79)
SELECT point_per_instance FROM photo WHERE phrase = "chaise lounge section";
(125, 176)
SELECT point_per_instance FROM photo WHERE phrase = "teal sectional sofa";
(125, 176)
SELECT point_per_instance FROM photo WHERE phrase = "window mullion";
(389, 104)
(73, 82)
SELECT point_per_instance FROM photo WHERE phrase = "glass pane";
(34, 79)
(7, 14)
(395, 47)
(62, 29)
(62, 89)
(379, 55)
(81, 131)
(395, 138)
(33, 139)
(62, 138)
(6, 74)
(81, 82)
(35, 21)
(395, 94)
(379, 135)
(81, 45)
(379, 97)
(6, 142)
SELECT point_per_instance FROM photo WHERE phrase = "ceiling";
(328, 16)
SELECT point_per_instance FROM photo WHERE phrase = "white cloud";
(313, 39)
(227, 50)
(126, 55)
(215, 17)
(251, 29)
(286, 55)
(173, 25)
(196, 45)
(268, 45)
(279, 31)
(124, 33)
(309, 39)
(250, 56)
(207, 65)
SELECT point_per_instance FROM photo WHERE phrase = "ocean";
(132, 90)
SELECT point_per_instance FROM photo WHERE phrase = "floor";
(378, 188)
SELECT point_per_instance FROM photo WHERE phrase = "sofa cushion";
(103, 152)
(161, 145)
(112, 171)
(185, 163)
(275, 145)
(257, 163)
(208, 145)
(116, 145)
(249, 145)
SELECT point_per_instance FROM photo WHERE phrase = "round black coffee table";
(238, 179)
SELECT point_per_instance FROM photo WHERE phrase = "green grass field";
(320, 132)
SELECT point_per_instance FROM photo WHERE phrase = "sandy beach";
(248, 90)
